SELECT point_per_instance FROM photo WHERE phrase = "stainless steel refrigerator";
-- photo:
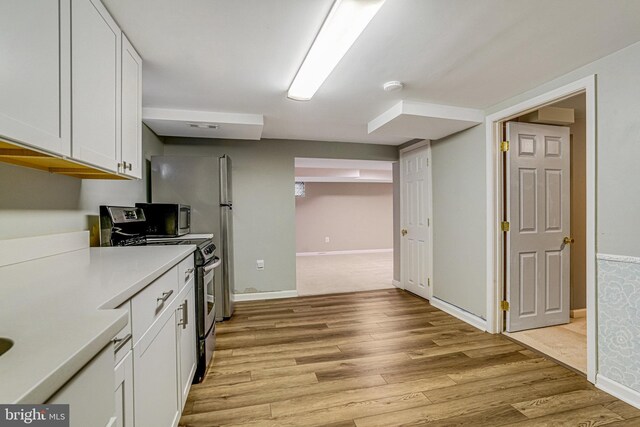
(205, 184)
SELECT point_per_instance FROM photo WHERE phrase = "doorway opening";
(543, 181)
(344, 225)
(496, 257)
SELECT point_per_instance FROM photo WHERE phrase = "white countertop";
(59, 312)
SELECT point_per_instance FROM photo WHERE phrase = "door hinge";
(504, 225)
(504, 146)
(504, 305)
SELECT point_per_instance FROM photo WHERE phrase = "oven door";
(209, 300)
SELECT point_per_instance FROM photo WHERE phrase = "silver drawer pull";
(188, 273)
(185, 315)
(120, 342)
(165, 296)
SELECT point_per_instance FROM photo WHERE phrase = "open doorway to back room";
(344, 225)
(545, 193)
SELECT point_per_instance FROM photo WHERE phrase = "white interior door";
(415, 202)
(538, 197)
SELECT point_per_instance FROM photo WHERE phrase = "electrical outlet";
(260, 264)
(326, 239)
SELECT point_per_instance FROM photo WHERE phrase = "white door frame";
(403, 152)
(586, 85)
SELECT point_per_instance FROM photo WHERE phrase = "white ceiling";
(421, 120)
(230, 56)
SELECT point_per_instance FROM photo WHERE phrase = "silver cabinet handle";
(165, 296)
(185, 315)
(120, 342)
(129, 166)
(187, 273)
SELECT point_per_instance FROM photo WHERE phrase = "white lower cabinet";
(155, 361)
(123, 392)
(89, 393)
(155, 375)
(187, 342)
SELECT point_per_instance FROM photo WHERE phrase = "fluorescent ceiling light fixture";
(344, 24)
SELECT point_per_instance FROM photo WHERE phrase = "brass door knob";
(404, 231)
(568, 240)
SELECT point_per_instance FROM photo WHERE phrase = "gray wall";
(264, 202)
(34, 202)
(353, 215)
(618, 146)
(459, 218)
(617, 199)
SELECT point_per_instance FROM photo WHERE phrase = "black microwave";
(166, 219)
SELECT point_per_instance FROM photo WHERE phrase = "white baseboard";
(618, 390)
(396, 284)
(354, 252)
(13, 251)
(578, 312)
(256, 296)
(465, 316)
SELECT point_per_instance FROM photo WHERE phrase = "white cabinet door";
(187, 340)
(35, 106)
(131, 144)
(89, 393)
(155, 375)
(95, 59)
(124, 392)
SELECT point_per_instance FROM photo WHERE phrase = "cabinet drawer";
(122, 342)
(152, 301)
(186, 271)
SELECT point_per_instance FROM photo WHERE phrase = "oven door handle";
(208, 268)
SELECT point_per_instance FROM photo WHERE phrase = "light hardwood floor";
(383, 358)
(327, 274)
(565, 343)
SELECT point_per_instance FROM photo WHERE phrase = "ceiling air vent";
(203, 125)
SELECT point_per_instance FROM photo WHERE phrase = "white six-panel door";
(415, 210)
(538, 179)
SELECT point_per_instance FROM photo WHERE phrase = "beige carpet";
(565, 343)
(328, 274)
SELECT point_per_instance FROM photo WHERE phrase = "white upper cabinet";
(35, 74)
(131, 144)
(96, 86)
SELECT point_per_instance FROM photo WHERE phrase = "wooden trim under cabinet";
(22, 156)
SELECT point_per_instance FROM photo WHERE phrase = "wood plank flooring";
(383, 358)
